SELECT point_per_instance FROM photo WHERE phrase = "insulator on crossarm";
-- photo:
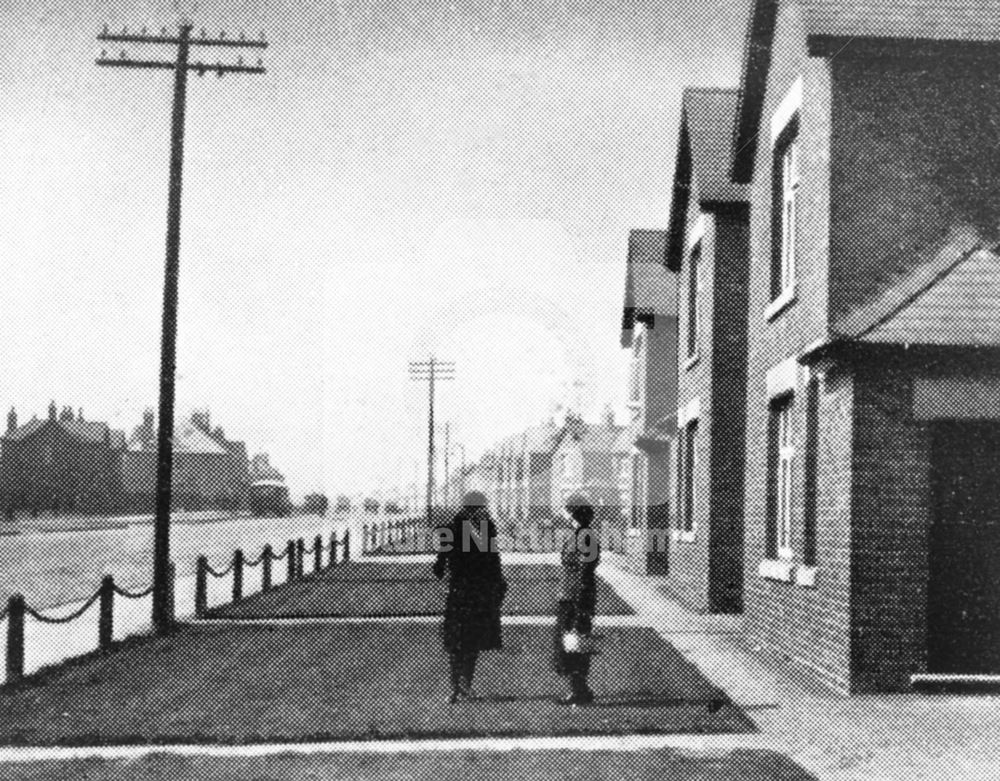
(163, 31)
(222, 35)
(105, 30)
(123, 55)
(219, 72)
(200, 71)
(260, 62)
(143, 31)
(203, 32)
(104, 54)
(239, 61)
(262, 39)
(242, 36)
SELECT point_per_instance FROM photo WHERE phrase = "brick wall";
(728, 391)
(891, 521)
(690, 560)
(808, 624)
(914, 153)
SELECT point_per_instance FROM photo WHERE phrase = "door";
(964, 588)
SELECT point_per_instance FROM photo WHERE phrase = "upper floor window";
(635, 374)
(694, 287)
(786, 193)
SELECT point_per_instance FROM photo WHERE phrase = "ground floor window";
(782, 458)
(689, 464)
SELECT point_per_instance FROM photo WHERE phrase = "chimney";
(11, 420)
(52, 410)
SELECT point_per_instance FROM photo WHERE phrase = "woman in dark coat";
(476, 588)
(581, 553)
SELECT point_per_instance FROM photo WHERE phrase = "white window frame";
(785, 481)
(689, 524)
(637, 394)
(790, 158)
(695, 286)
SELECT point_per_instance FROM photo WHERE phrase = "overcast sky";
(407, 177)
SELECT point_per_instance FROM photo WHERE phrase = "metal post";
(201, 587)
(300, 555)
(345, 552)
(238, 575)
(265, 575)
(333, 548)
(318, 554)
(106, 620)
(162, 618)
(290, 553)
(15, 638)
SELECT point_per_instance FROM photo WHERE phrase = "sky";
(408, 178)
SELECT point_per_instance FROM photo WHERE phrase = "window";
(785, 218)
(636, 378)
(690, 470)
(694, 285)
(780, 493)
(811, 464)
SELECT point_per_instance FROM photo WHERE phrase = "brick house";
(707, 247)
(60, 465)
(867, 136)
(519, 476)
(649, 332)
(209, 471)
(588, 458)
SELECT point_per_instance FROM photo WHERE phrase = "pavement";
(899, 736)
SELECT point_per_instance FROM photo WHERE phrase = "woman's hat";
(579, 506)
(474, 499)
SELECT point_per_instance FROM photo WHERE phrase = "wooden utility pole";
(163, 618)
(431, 371)
(447, 474)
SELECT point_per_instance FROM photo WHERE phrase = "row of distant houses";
(529, 475)
(64, 464)
(816, 345)
(815, 340)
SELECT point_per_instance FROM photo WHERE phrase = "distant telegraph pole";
(162, 611)
(430, 372)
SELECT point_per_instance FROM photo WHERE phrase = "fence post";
(238, 575)
(265, 575)
(106, 621)
(333, 548)
(300, 555)
(290, 553)
(201, 587)
(345, 545)
(318, 556)
(15, 638)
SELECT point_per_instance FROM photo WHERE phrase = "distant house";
(61, 464)
(649, 332)
(589, 458)
(708, 248)
(209, 471)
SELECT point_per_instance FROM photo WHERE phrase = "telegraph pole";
(447, 474)
(163, 618)
(431, 371)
